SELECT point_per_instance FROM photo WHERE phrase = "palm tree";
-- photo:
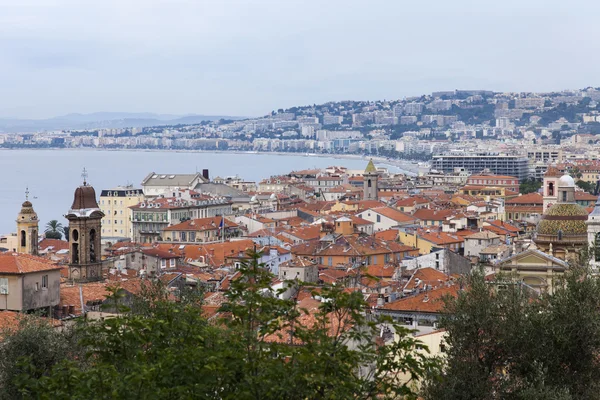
(54, 229)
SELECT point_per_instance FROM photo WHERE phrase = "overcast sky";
(248, 57)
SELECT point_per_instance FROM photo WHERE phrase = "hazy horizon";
(247, 58)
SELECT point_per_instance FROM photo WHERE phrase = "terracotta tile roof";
(56, 245)
(428, 302)
(201, 224)
(499, 231)
(389, 234)
(393, 214)
(366, 204)
(529, 198)
(305, 232)
(214, 254)
(441, 238)
(12, 263)
(348, 246)
(425, 214)
(504, 225)
(423, 277)
(486, 235)
(381, 271)
(411, 201)
(582, 196)
(309, 308)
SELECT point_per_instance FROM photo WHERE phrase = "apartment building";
(115, 204)
(499, 164)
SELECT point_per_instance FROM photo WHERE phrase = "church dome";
(568, 218)
(27, 204)
(84, 198)
(566, 181)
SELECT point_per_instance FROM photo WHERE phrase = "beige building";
(115, 204)
(299, 269)
(28, 282)
(538, 270)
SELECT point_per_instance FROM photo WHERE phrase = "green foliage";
(588, 187)
(529, 185)
(31, 349)
(54, 229)
(505, 343)
(265, 347)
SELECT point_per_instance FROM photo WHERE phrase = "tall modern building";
(498, 164)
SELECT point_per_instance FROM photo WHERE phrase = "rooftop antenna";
(84, 175)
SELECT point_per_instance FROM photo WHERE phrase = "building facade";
(497, 163)
(115, 204)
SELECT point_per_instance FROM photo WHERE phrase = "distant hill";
(103, 120)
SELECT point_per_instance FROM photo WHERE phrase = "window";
(163, 263)
(374, 259)
(4, 286)
(437, 265)
(330, 261)
(23, 239)
(564, 196)
(172, 263)
(378, 218)
(37, 286)
(45, 282)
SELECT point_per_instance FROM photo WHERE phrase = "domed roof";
(569, 218)
(84, 198)
(27, 204)
(566, 181)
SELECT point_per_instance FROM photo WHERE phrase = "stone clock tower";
(84, 235)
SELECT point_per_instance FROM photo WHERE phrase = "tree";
(506, 342)
(588, 187)
(264, 347)
(529, 186)
(31, 348)
(53, 229)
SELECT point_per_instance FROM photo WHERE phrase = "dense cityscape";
(269, 200)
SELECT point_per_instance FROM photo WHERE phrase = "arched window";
(551, 189)
(597, 247)
(369, 183)
(560, 234)
(75, 253)
(92, 245)
(75, 235)
(564, 196)
(23, 239)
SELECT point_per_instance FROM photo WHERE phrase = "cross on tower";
(27, 193)
(84, 175)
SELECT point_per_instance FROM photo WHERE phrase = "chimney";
(205, 174)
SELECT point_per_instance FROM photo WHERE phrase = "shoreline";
(405, 166)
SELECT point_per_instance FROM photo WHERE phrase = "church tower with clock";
(85, 226)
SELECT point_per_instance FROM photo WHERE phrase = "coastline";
(405, 166)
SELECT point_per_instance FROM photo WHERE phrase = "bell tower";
(370, 176)
(550, 187)
(84, 234)
(27, 228)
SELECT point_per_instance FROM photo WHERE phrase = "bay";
(53, 175)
